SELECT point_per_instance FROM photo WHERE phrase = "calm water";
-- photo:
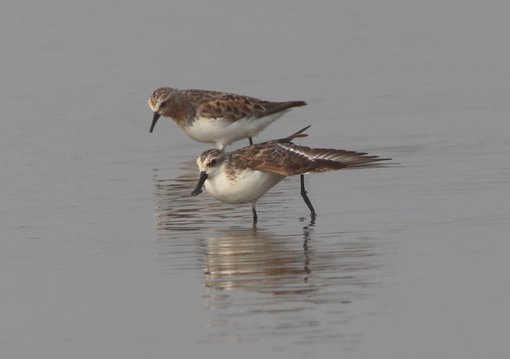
(104, 254)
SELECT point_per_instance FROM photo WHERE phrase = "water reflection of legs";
(255, 217)
(307, 230)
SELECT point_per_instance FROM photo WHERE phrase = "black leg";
(305, 197)
(251, 141)
(254, 212)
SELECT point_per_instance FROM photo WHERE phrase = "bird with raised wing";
(246, 174)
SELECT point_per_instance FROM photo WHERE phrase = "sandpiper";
(246, 174)
(216, 117)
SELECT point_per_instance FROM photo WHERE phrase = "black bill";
(154, 120)
(201, 181)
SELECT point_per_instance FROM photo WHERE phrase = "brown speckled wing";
(234, 107)
(229, 107)
(288, 159)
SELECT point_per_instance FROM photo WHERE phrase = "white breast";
(247, 187)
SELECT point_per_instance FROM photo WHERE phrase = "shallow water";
(104, 254)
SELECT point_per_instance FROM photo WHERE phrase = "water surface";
(104, 254)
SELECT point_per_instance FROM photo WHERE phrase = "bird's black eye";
(212, 162)
(162, 104)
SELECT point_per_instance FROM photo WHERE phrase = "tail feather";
(295, 135)
(275, 107)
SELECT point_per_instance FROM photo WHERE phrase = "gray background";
(103, 254)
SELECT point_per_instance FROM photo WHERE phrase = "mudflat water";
(103, 253)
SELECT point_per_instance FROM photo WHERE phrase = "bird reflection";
(256, 260)
(236, 258)
(245, 258)
(287, 270)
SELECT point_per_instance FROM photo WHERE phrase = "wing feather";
(288, 159)
(233, 107)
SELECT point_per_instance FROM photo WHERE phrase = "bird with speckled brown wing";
(246, 174)
(216, 117)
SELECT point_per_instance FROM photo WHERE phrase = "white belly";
(223, 133)
(248, 187)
